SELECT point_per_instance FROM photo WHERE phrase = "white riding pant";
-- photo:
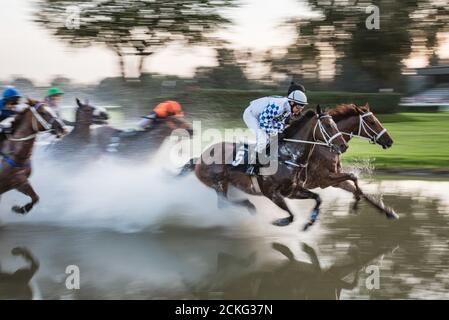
(253, 124)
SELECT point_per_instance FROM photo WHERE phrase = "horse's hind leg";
(28, 190)
(221, 187)
(279, 200)
(247, 204)
(302, 193)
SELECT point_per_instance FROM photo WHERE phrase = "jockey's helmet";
(298, 97)
(54, 92)
(168, 108)
(11, 92)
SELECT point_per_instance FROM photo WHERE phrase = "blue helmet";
(11, 92)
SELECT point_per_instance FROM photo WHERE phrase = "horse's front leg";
(358, 194)
(340, 177)
(302, 193)
(28, 190)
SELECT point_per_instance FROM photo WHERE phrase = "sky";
(29, 50)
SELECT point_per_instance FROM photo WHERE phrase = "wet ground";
(347, 255)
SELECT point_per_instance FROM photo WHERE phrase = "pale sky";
(31, 51)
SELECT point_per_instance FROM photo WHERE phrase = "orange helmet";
(168, 108)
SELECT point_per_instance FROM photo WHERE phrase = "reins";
(327, 137)
(37, 118)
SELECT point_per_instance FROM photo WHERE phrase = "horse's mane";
(299, 123)
(18, 118)
(343, 111)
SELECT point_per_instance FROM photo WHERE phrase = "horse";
(138, 144)
(289, 278)
(17, 150)
(325, 167)
(295, 146)
(17, 285)
(78, 141)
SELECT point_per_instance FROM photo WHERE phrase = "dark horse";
(138, 144)
(77, 142)
(17, 149)
(312, 128)
(325, 167)
(17, 285)
(247, 278)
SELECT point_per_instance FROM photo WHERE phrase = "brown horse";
(17, 149)
(325, 167)
(294, 151)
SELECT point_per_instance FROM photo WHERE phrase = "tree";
(134, 27)
(366, 58)
(228, 74)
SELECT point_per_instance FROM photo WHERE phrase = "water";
(135, 233)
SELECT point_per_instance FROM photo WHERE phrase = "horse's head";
(322, 130)
(361, 121)
(88, 114)
(177, 123)
(371, 128)
(326, 131)
(44, 118)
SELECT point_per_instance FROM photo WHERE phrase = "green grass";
(421, 141)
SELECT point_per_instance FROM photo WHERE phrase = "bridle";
(326, 136)
(327, 141)
(373, 136)
(38, 119)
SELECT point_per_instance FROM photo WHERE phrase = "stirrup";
(252, 171)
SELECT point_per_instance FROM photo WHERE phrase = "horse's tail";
(188, 167)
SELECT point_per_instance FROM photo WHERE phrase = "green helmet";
(54, 92)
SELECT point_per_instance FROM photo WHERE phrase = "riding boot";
(254, 168)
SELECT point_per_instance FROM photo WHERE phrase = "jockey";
(268, 116)
(53, 98)
(161, 111)
(8, 108)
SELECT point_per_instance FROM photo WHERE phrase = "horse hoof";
(19, 210)
(391, 215)
(307, 225)
(355, 208)
(283, 222)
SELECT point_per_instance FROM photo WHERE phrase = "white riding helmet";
(298, 96)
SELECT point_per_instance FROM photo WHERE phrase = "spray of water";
(105, 193)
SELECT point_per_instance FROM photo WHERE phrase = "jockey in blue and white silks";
(268, 116)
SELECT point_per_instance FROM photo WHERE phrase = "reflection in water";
(258, 263)
(17, 284)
